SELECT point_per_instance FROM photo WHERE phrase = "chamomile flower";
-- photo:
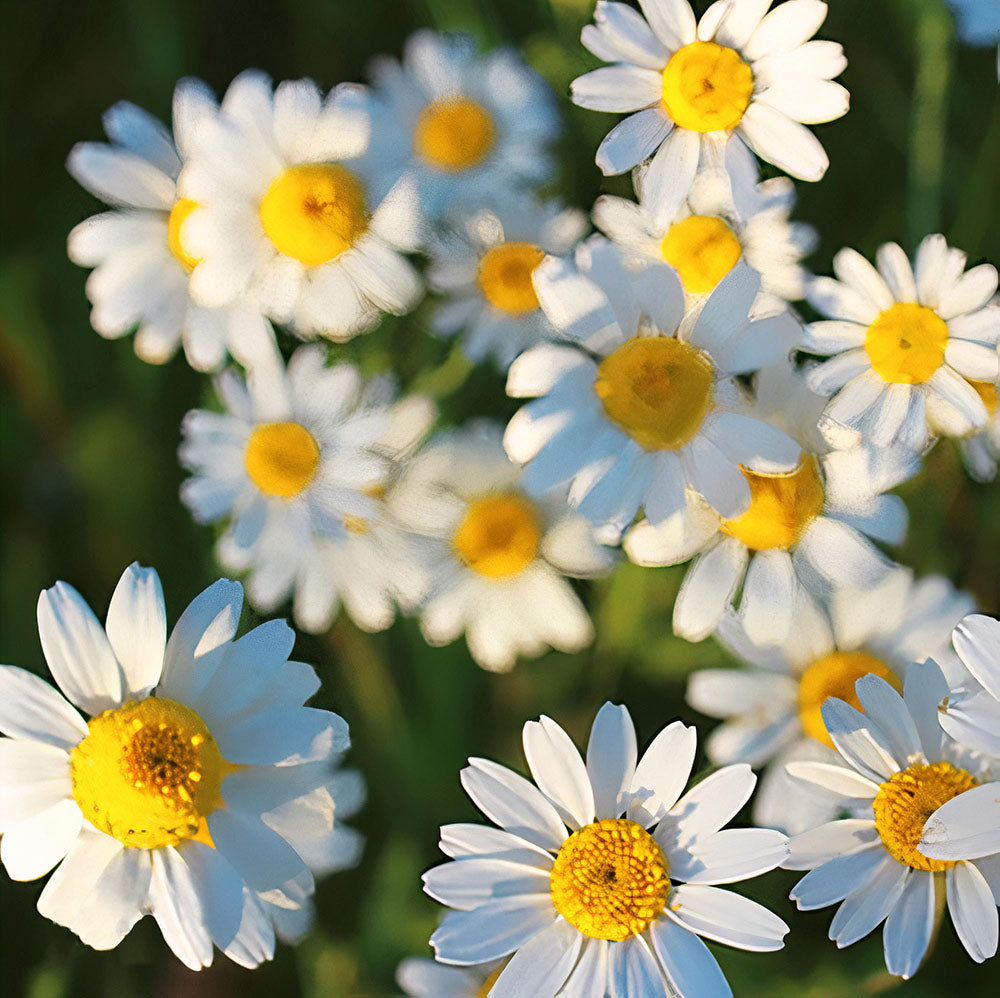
(811, 528)
(905, 344)
(901, 766)
(643, 405)
(740, 75)
(484, 264)
(978, 21)
(463, 126)
(298, 465)
(601, 877)
(496, 556)
(286, 217)
(141, 262)
(192, 787)
(423, 978)
(771, 709)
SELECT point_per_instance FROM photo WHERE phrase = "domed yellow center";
(499, 535)
(707, 87)
(178, 216)
(149, 774)
(610, 879)
(505, 276)
(904, 803)
(657, 389)
(454, 134)
(781, 507)
(702, 249)
(834, 675)
(281, 458)
(314, 212)
(906, 343)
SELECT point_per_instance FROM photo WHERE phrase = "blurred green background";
(89, 475)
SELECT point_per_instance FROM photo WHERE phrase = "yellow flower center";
(781, 507)
(149, 774)
(499, 535)
(834, 675)
(987, 391)
(281, 458)
(505, 276)
(484, 991)
(610, 879)
(178, 216)
(707, 87)
(454, 134)
(314, 212)
(906, 343)
(657, 389)
(904, 803)
(702, 249)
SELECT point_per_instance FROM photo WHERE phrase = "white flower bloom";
(463, 126)
(900, 766)
(496, 556)
(811, 529)
(601, 876)
(740, 74)
(423, 978)
(644, 405)
(141, 264)
(200, 791)
(287, 216)
(971, 713)
(978, 21)
(771, 710)
(484, 265)
(299, 464)
(906, 343)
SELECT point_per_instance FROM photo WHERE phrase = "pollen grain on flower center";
(707, 87)
(702, 249)
(281, 458)
(904, 803)
(505, 273)
(499, 535)
(906, 343)
(610, 879)
(454, 134)
(149, 774)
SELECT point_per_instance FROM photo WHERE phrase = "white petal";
(834, 880)
(466, 884)
(632, 969)
(690, 965)
(894, 266)
(727, 918)
(632, 141)
(856, 272)
(537, 371)
(262, 858)
(731, 855)
(708, 588)
(671, 173)
(466, 938)
(858, 740)
(972, 360)
(785, 143)
(617, 88)
(885, 707)
(767, 602)
(785, 28)
(611, 758)
(966, 827)
(971, 292)
(30, 848)
(629, 35)
(909, 927)
(811, 849)
(31, 709)
(138, 131)
(178, 910)
(137, 629)
(119, 177)
(706, 807)
(465, 839)
(977, 642)
(541, 966)
(662, 773)
(838, 301)
(924, 687)
(34, 776)
(717, 477)
(866, 908)
(672, 20)
(973, 911)
(836, 779)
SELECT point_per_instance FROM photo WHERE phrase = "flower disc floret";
(179, 214)
(707, 87)
(904, 803)
(505, 273)
(702, 249)
(610, 879)
(906, 343)
(454, 134)
(281, 458)
(499, 535)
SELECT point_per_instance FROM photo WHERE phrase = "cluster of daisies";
(680, 411)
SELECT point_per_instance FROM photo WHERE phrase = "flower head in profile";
(900, 769)
(199, 790)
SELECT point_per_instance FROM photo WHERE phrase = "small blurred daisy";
(740, 74)
(812, 528)
(978, 21)
(601, 877)
(905, 344)
(900, 762)
(286, 217)
(299, 464)
(141, 262)
(771, 710)
(980, 449)
(496, 556)
(191, 789)
(971, 712)
(643, 405)
(423, 978)
(463, 126)
(484, 265)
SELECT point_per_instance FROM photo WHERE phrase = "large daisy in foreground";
(200, 789)
(689, 88)
(904, 768)
(602, 877)
(913, 349)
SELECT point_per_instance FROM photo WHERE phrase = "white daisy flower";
(497, 556)
(484, 264)
(904, 344)
(462, 125)
(811, 528)
(901, 766)
(739, 74)
(601, 876)
(191, 790)
(287, 217)
(298, 465)
(643, 405)
(771, 709)
(978, 21)
(141, 263)
(423, 978)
